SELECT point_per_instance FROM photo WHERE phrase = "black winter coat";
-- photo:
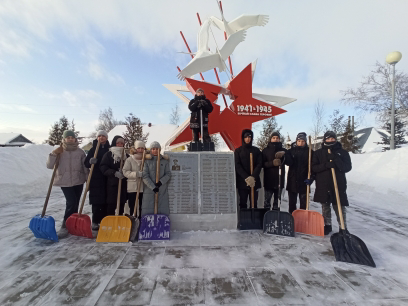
(242, 163)
(297, 158)
(97, 186)
(108, 167)
(199, 102)
(324, 178)
(271, 172)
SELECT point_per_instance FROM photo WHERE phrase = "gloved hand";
(329, 165)
(57, 151)
(156, 190)
(309, 181)
(93, 161)
(250, 180)
(158, 184)
(277, 162)
(279, 154)
(139, 174)
(119, 175)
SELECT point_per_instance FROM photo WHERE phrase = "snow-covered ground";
(204, 268)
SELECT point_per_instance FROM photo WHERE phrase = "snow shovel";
(347, 247)
(156, 226)
(308, 221)
(134, 233)
(79, 224)
(115, 228)
(277, 222)
(251, 218)
(43, 226)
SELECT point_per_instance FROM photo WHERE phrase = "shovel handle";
(136, 211)
(50, 186)
(337, 198)
(120, 184)
(308, 173)
(88, 181)
(156, 195)
(251, 165)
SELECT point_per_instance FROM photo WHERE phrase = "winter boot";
(63, 232)
(95, 226)
(327, 229)
(275, 208)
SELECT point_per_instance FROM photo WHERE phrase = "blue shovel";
(43, 226)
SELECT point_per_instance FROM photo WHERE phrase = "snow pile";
(24, 173)
(382, 170)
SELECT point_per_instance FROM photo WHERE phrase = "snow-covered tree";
(399, 127)
(336, 123)
(269, 126)
(134, 130)
(175, 115)
(106, 121)
(58, 128)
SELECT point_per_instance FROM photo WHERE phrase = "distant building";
(13, 140)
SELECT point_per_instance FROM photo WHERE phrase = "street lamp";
(393, 58)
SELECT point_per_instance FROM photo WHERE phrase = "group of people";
(273, 159)
(73, 170)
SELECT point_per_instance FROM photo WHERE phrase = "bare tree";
(175, 115)
(318, 119)
(374, 93)
(106, 121)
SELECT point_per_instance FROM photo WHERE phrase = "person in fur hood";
(132, 170)
(149, 179)
(71, 173)
(200, 102)
(322, 163)
(110, 167)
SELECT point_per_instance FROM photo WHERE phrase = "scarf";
(116, 153)
(70, 146)
(137, 156)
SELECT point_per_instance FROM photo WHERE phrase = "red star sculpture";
(240, 115)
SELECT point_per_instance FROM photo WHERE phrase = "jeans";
(293, 199)
(243, 198)
(206, 136)
(132, 201)
(268, 197)
(72, 196)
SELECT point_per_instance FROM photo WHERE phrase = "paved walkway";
(200, 268)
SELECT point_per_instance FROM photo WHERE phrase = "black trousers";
(293, 199)
(98, 213)
(243, 198)
(132, 201)
(206, 136)
(268, 196)
(72, 196)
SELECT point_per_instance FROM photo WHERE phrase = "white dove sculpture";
(204, 59)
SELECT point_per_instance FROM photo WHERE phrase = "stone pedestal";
(202, 191)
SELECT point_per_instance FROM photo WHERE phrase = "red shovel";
(79, 224)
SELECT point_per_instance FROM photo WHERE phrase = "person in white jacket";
(71, 173)
(132, 170)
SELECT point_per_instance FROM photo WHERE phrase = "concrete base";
(207, 222)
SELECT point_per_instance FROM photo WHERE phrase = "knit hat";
(68, 133)
(155, 144)
(276, 134)
(199, 89)
(247, 134)
(329, 134)
(102, 133)
(139, 144)
(117, 139)
(301, 136)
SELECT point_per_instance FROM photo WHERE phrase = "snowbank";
(385, 171)
(24, 173)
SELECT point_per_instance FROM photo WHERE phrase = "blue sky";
(76, 58)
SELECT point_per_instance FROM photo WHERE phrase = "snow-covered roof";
(157, 132)
(7, 139)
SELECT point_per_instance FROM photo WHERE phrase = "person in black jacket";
(297, 158)
(195, 106)
(97, 187)
(322, 163)
(110, 167)
(244, 179)
(273, 158)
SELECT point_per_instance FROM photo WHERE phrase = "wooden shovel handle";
(136, 211)
(50, 186)
(120, 184)
(251, 165)
(309, 164)
(156, 195)
(88, 182)
(337, 198)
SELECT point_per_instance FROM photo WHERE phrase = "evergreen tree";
(58, 128)
(348, 141)
(269, 126)
(399, 127)
(337, 123)
(134, 130)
